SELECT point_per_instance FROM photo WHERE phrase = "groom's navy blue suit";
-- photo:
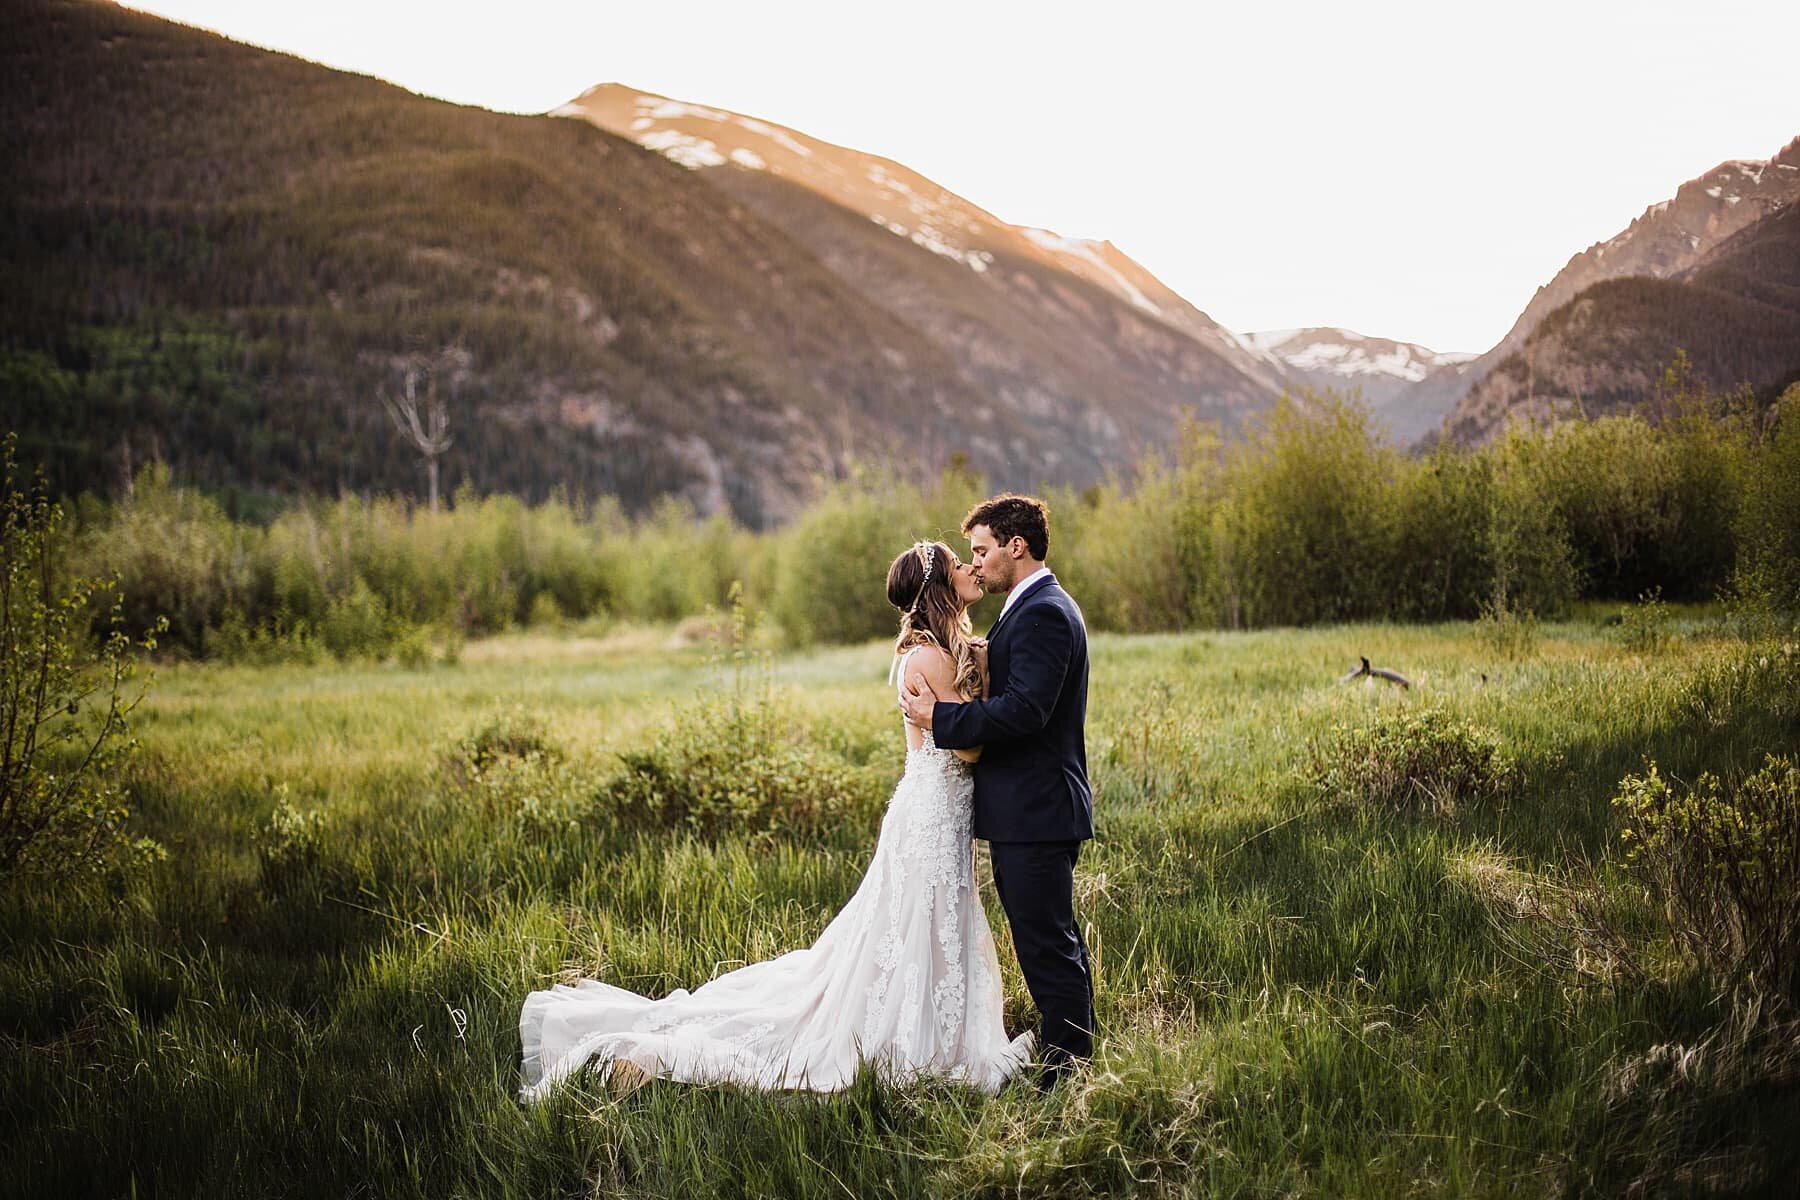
(1032, 801)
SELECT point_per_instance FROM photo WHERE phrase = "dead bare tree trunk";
(431, 435)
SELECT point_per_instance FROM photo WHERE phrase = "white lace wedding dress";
(904, 978)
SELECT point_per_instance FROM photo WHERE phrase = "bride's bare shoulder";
(932, 661)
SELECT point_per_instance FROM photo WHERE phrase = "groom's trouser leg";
(1036, 882)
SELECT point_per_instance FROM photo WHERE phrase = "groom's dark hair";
(1008, 516)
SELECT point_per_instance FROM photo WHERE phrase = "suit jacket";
(1031, 784)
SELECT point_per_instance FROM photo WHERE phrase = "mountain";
(1671, 237)
(221, 257)
(1042, 323)
(1406, 385)
(1734, 313)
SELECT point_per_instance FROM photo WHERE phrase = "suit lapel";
(1021, 602)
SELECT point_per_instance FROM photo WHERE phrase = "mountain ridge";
(225, 254)
(1730, 319)
(900, 200)
(1669, 237)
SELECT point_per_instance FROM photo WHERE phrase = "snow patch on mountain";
(907, 206)
(1274, 339)
(1090, 252)
(684, 148)
(779, 137)
(1348, 354)
(659, 109)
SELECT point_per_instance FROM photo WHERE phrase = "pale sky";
(1406, 170)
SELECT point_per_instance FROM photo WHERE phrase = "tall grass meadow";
(1350, 939)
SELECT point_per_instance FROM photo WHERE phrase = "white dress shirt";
(1019, 589)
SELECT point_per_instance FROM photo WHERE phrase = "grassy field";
(318, 992)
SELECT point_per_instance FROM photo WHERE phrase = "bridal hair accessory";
(928, 552)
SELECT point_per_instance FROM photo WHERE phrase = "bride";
(903, 978)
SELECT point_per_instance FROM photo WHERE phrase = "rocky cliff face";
(1734, 314)
(1672, 237)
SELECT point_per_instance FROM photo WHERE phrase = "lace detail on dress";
(904, 977)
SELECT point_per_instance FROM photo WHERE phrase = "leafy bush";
(358, 625)
(1144, 558)
(1415, 761)
(515, 734)
(173, 553)
(235, 640)
(546, 613)
(1442, 551)
(830, 585)
(1308, 518)
(290, 846)
(1304, 528)
(1725, 862)
(64, 703)
(1645, 625)
(1767, 574)
(512, 770)
(1506, 631)
(1619, 486)
(1534, 568)
(412, 649)
(735, 762)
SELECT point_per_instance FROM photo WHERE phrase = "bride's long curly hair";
(931, 613)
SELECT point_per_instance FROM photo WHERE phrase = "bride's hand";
(978, 650)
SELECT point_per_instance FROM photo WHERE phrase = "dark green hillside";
(1762, 263)
(218, 256)
(1735, 315)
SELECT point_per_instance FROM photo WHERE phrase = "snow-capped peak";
(1348, 354)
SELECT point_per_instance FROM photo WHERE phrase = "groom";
(1032, 801)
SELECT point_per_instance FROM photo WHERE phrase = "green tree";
(1768, 525)
(64, 702)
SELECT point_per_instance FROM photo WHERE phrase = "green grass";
(1297, 995)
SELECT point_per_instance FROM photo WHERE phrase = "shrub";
(1767, 575)
(290, 845)
(833, 561)
(735, 762)
(546, 613)
(511, 770)
(235, 640)
(1304, 531)
(1534, 569)
(1419, 761)
(174, 554)
(1441, 559)
(412, 649)
(1142, 558)
(357, 625)
(1725, 863)
(1645, 625)
(515, 734)
(64, 703)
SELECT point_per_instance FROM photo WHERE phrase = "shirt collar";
(1019, 589)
